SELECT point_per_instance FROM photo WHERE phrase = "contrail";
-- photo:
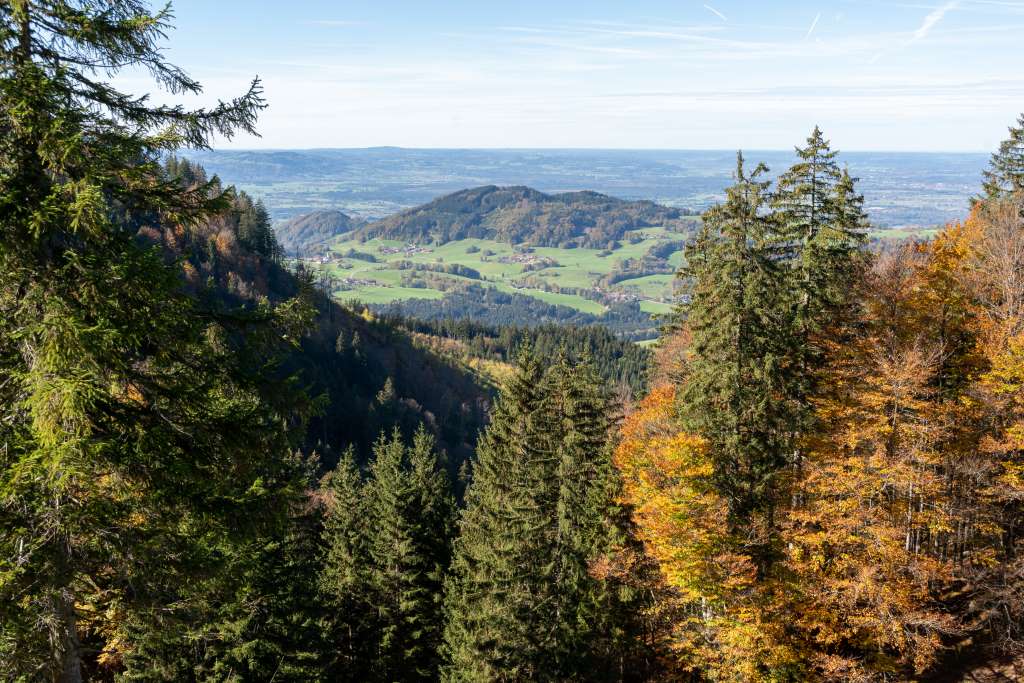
(814, 25)
(931, 20)
(716, 12)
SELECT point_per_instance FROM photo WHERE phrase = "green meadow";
(503, 267)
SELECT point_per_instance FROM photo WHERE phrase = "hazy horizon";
(901, 188)
(933, 76)
(772, 150)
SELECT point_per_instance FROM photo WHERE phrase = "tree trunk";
(71, 668)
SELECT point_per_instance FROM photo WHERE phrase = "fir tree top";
(1005, 174)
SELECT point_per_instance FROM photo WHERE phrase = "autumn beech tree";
(726, 622)
(873, 491)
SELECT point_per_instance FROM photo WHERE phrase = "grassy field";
(903, 233)
(502, 267)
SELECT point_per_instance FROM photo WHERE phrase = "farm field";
(564, 277)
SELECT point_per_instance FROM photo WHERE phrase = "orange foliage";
(722, 628)
(908, 499)
(869, 488)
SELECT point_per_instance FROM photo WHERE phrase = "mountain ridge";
(310, 232)
(519, 214)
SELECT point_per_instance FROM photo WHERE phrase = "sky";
(637, 74)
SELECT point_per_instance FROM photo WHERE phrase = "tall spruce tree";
(434, 511)
(409, 514)
(254, 230)
(736, 389)
(269, 623)
(597, 611)
(501, 623)
(819, 229)
(526, 599)
(141, 443)
(1005, 172)
(344, 578)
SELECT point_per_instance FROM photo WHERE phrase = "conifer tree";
(271, 624)
(434, 510)
(409, 510)
(598, 612)
(501, 623)
(578, 423)
(1005, 173)
(344, 578)
(141, 434)
(802, 200)
(254, 230)
(533, 594)
(736, 381)
(819, 228)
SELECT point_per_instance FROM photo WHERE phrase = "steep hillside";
(521, 215)
(308, 234)
(371, 375)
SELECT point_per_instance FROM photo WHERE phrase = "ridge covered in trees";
(367, 374)
(312, 232)
(619, 363)
(521, 215)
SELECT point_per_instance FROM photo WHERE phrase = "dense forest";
(619, 363)
(490, 306)
(209, 471)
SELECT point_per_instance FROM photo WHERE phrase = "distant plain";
(919, 190)
(905, 194)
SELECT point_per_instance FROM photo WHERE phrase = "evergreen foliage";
(619, 362)
(145, 437)
(388, 546)
(344, 580)
(523, 600)
(818, 230)
(1005, 174)
(737, 388)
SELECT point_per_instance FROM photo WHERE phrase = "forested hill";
(310, 233)
(371, 375)
(521, 215)
(619, 363)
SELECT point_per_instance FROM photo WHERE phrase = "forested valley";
(211, 471)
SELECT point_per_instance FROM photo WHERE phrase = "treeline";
(619, 363)
(248, 220)
(495, 308)
(829, 469)
(446, 268)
